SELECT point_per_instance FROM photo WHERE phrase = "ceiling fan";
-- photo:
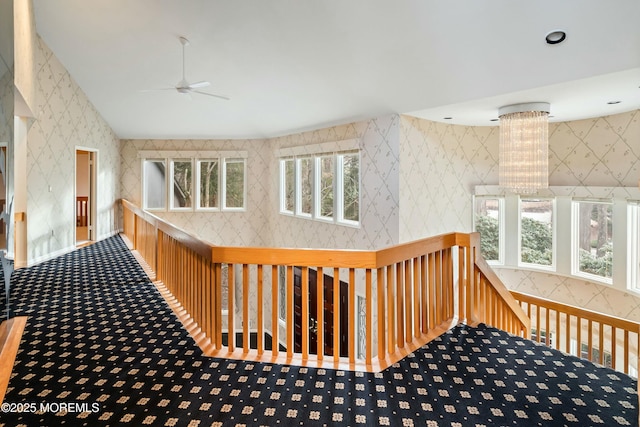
(183, 86)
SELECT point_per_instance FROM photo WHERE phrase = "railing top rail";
(338, 258)
(502, 290)
(202, 248)
(583, 313)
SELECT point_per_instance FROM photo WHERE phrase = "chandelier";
(524, 147)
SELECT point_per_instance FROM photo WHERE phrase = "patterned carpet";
(101, 348)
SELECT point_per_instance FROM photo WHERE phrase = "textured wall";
(379, 169)
(65, 119)
(250, 228)
(441, 164)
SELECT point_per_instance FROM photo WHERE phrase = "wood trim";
(10, 336)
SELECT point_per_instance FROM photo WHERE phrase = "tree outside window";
(305, 191)
(536, 231)
(487, 223)
(234, 183)
(208, 182)
(288, 178)
(182, 185)
(595, 245)
(350, 187)
(326, 171)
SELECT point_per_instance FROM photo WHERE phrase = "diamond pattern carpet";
(102, 348)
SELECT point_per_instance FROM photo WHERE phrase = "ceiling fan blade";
(198, 85)
(210, 94)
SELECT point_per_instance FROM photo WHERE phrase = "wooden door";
(328, 313)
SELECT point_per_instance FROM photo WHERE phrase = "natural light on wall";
(524, 147)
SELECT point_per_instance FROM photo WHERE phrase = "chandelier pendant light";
(524, 147)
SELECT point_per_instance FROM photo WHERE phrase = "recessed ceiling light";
(614, 102)
(447, 118)
(555, 37)
(494, 120)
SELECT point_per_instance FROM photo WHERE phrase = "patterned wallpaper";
(6, 105)
(441, 164)
(379, 168)
(64, 119)
(250, 228)
(261, 224)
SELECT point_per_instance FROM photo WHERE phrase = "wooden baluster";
(382, 328)
(246, 334)
(391, 306)
(432, 291)
(614, 348)
(275, 308)
(369, 317)
(231, 334)
(289, 311)
(336, 315)
(218, 305)
(352, 316)
(416, 301)
(399, 306)
(320, 314)
(424, 286)
(408, 302)
(305, 313)
(260, 314)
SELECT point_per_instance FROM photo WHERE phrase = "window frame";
(554, 215)
(198, 185)
(299, 187)
(223, 158)
(575, 242)
(633, 246)
(340, 208)
(171, 185)
(317, 194)
(501, 226)
(283, 185)
(315, 188)
(224, 186)
(145, 206)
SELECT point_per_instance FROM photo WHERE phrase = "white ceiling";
(294, 65)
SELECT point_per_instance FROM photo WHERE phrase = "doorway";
(343, 332)
(85, 196)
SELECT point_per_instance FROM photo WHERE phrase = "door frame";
(92, 221)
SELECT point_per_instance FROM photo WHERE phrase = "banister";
(412, 293)
(504, 293)
(583, 313)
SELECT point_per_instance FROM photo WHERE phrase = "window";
(575, 237)
(288, 184)
(181, 188)
(155, 186)
(536, 231)
(324, 187)
(208, 178)
(305, 186)
(194, 183)
(489, 222)
(593, 245)
(349, 179)
(324, 177)
(633, 246)
(234, 188)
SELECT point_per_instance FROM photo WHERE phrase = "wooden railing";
(387, 302)
(603, 339)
